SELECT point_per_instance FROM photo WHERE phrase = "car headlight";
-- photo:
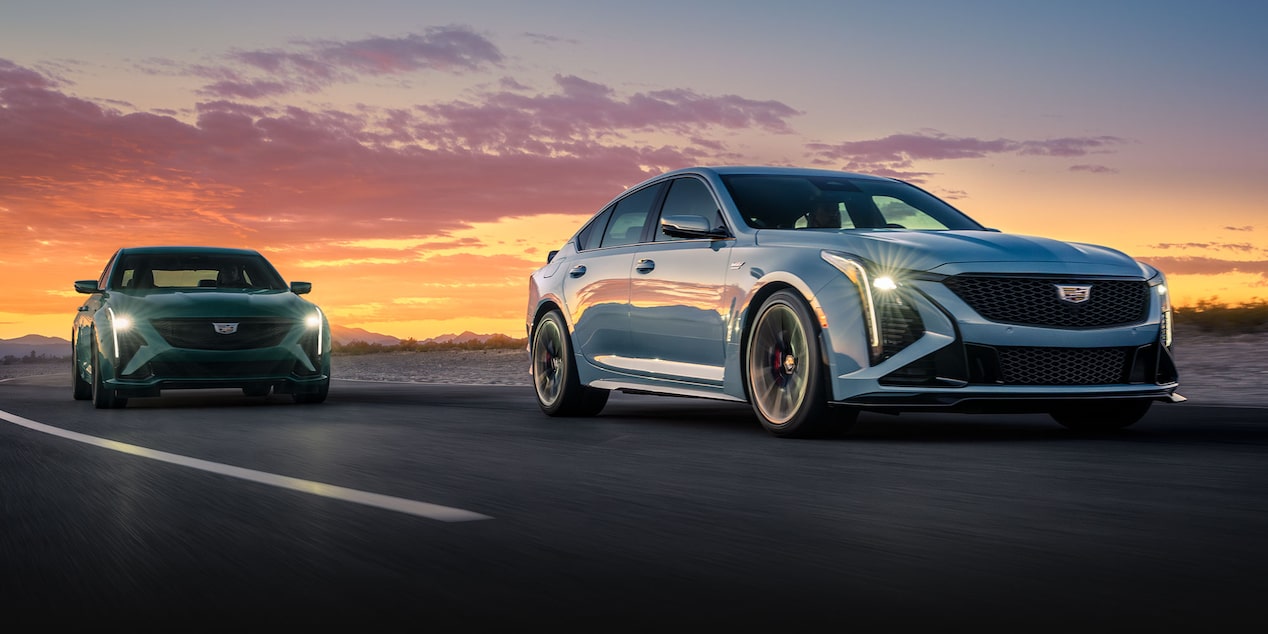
(1158, 283)
(314, 322)
(118, 323)
(857, 272)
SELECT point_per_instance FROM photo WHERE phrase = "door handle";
(645, 266)
(577, 271)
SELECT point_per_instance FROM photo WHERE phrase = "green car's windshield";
(768, 201)
(180, 271)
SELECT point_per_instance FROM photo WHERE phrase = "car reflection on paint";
(173, 317)
(814, 295)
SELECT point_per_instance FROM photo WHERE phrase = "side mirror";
(550, 256)
(87, 287)
(299, 288)
(690, 226)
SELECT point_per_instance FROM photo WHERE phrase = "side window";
(900, 215)
(691, 197)
(588, 237)
(629, 216)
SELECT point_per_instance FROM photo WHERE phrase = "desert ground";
(1215, 369)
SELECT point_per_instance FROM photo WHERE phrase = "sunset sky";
(416, 160)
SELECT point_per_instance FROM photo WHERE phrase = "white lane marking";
(400, 505)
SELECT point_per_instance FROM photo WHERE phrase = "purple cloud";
(895, 155)
(1093, 169)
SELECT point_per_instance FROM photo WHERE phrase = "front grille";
(1062, 366)
(1034, 301)
(222, 369)
(200, 333)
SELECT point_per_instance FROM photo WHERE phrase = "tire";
(555, 379)
(103, 397)
(81, 389)
(313, 397)
(1107, 415)
(785, 372)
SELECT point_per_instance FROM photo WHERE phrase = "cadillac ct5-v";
(814, 295)
(173, 317)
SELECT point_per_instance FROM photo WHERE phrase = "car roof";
(189, 249)
(724, 170)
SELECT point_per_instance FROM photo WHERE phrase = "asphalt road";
(455, 508)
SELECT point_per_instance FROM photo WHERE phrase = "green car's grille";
(223, 334)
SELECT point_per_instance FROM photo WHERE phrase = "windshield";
(794, 201)
(160, 271)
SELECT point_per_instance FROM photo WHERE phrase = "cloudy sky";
(416, 160)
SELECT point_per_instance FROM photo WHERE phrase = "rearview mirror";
(299, 288)
(86, 286)
(550, 256)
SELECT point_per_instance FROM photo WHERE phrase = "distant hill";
(39, 344)
(465, 337)
(344, 335)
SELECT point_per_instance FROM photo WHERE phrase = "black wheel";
(257, 390)
(1105, 415)
(81, 389)
(313, 397)
(786, 373)
(103, 397)
(559, 390)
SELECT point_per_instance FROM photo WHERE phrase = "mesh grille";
(1035, 301)
(1062, 366)
(200, 333)
(222, 369)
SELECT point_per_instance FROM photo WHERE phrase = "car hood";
(963, 251)
(210, 303)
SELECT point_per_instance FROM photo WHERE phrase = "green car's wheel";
(555, 379)
(103, 397)
(81, 389)
(786, 373)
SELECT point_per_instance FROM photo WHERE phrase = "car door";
(597, 282)
(678, 312)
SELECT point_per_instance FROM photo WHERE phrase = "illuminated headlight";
(1159, 284)
(857, 273)
(884, 283)
(314, 322)
(122, 323)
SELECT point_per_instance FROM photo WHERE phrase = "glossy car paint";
(130, 360)
(672, 317)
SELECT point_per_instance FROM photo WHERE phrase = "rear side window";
(588, 237)
(629, 216)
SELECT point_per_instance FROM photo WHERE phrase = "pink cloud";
(895, 155)
(240, 171)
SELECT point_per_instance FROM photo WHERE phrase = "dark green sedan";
(168, 317)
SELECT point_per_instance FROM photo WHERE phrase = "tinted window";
(194, 270)
(629, 216)
(688, 196)
(785, 201)
(588, 237)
